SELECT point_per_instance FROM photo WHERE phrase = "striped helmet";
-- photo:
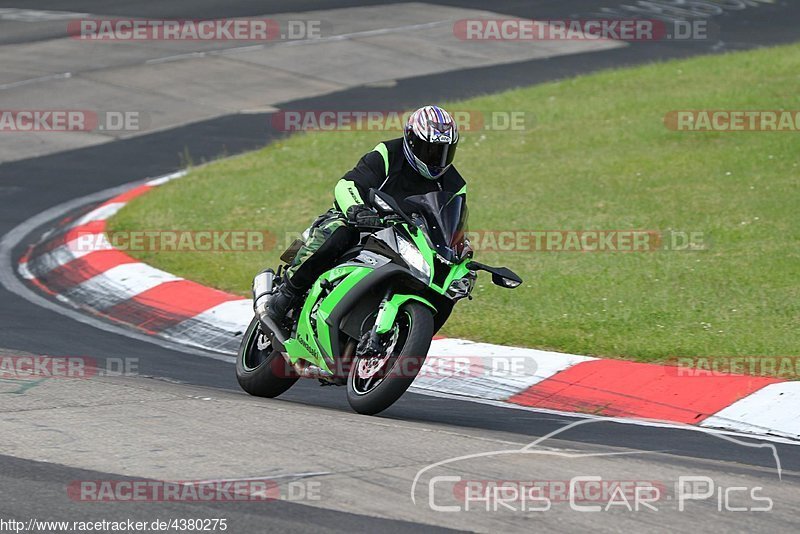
(430, 139)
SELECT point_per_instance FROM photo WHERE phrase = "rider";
(420, 162)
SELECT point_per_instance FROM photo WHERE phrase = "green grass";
(599, 157)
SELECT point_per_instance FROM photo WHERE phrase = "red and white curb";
(107, 282)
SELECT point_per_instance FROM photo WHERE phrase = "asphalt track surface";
(29, 187)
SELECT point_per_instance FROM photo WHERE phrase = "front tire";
(414, 330)
(260, 370)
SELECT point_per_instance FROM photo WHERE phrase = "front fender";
(388, 313)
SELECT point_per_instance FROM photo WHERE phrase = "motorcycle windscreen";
(445, 218)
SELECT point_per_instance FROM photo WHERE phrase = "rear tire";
(403, 365)
(262, 372)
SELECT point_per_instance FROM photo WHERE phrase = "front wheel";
(377, 381)
(260, 370)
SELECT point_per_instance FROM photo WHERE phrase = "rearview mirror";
(501, 276)
(504, 281)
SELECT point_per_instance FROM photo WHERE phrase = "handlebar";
(388, 220)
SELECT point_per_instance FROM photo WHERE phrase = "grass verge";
(599, 158)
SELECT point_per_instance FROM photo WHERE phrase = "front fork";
(371, 344)
(387, 315)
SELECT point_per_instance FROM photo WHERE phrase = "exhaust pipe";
(307, 370)
(263, 289)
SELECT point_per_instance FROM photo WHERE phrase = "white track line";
(101, 213)
(773, 406)
(488, 371)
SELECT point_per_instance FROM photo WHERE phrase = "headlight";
(413, 257)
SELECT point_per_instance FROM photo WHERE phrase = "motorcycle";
(368, 322)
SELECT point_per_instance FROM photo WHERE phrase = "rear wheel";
(375, 382)
(260, 370)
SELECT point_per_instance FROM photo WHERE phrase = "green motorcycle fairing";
(388, 313)
(311, 340)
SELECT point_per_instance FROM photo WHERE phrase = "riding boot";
(285, 298)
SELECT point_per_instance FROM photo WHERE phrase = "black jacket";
(402, 180)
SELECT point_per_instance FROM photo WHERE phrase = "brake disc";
(369, 366)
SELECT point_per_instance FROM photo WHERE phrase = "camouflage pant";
(330, 236)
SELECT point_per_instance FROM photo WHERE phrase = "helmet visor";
(434, 155)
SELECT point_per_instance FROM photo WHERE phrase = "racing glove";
(360, 215)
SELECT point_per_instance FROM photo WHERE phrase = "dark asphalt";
(31, 186)
(46, 482)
